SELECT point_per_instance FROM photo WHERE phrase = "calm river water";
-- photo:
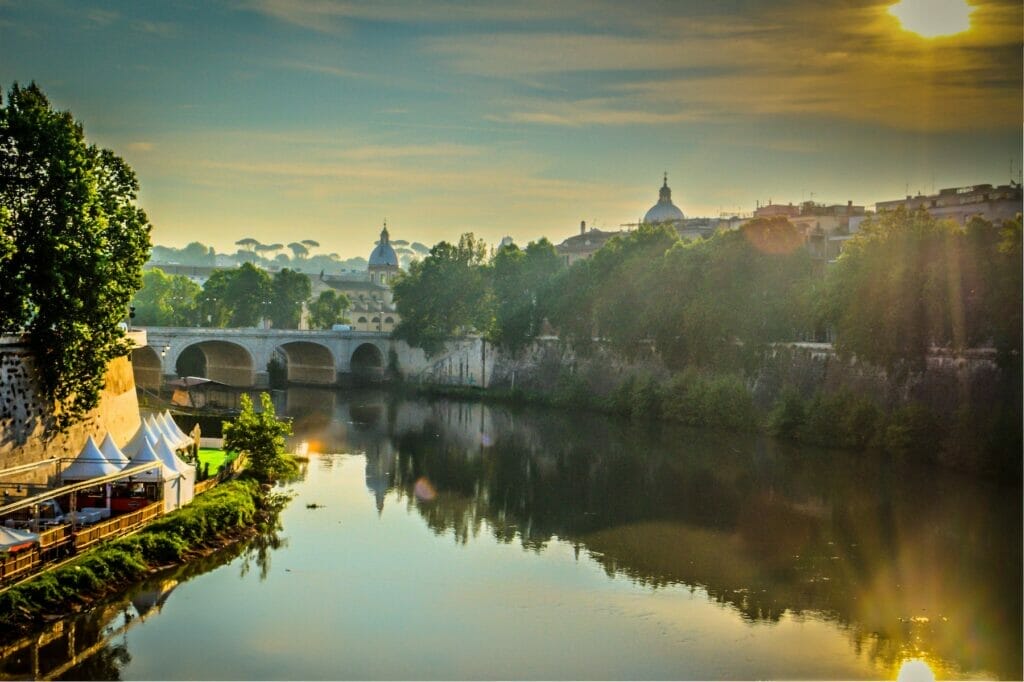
(455, 540)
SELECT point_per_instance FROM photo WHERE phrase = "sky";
(283, 120)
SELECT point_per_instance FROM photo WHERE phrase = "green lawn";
(215, 457)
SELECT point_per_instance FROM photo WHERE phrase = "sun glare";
(933, 18)
(915, 670)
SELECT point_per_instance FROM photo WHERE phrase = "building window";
(362, 320)
(389, 320)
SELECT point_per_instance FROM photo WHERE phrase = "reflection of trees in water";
(258, 550)
(97, 636)
(764, 528)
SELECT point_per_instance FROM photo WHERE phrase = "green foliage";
(288, 291)
(236, 298)
(519, 278)
(115, 563)
(328, 309)
(72, 245)
(261, 435)
(714, 401)
(720, 301)
(912, 430)
(624, 273)
(908, 282)
(444, 295)
(166, 300)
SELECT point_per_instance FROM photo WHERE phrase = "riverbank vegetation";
(228, 512)
(261, 435)
(700, 319)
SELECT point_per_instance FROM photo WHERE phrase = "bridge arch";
(308, 362)
(147, 368)
(367, 363)
(221, 361)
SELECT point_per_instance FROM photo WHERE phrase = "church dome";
(383, 255)
(664, 211)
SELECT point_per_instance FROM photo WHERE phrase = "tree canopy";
(289, 290)
(328, 309)
(261, 435)
(444, 295)
(908, 282)
(72, 245)
(166, 300)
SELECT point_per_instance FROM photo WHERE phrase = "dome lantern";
(664, 211)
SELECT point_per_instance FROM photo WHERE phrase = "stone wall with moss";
(26, 432)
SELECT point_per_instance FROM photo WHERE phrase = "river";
(443, 539)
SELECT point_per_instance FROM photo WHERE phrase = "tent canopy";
(90, 463)
(12, 540)
(113, 453)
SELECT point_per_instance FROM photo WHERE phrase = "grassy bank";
(973, 440)
(229, 512)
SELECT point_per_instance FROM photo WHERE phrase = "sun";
(933, 18)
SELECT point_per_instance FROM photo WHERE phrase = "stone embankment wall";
(949, 381)
(25, 419)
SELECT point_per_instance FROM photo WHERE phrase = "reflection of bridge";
(240, 357)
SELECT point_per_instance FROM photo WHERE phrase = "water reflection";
(94, 644)
(911, 562)
(906, 564)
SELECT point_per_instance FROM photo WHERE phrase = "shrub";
(788, 415)
(912, 431)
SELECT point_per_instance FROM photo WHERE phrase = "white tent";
(113, 453)
(90, 463)
(160, 474)
(12, 540)
(185, 484)
(161, 429)
(133, 446)
(169, 420)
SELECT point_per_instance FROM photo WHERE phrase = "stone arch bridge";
(240, 357)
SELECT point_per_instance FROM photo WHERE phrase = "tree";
(444, 295)
(166, 301)
(72, 248)
(213, 309)
(247, 296)
(299, 250)
(519, 280)
(328, 309)
(897, 289)
(289, 290)
(261, 435)
(248, 243)
(720, 301)
(197, 253)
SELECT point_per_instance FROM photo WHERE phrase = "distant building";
(664, 212)
(585, 244)
(960, 204)
(373, 308)
(383, 261)
(825, 227)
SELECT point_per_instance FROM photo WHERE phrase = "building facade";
(960, 204)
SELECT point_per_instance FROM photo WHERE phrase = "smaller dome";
(664, 211)
(383, 255)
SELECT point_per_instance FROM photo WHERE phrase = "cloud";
(324, 69)
(141, 146)
(331, 16)
(850, 63)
